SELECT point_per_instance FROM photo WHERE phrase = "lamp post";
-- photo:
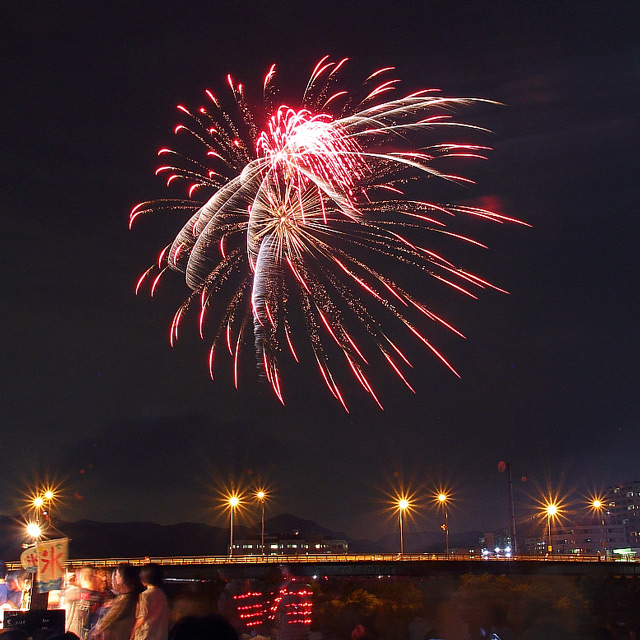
(261, 495)
(42, 506)
(48, 496)
(442, 499)
(403, 505)
(551, 510)
(38, 503)
(599, 507)
(34, 531)
(234, 501)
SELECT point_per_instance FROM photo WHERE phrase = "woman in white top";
(152, 610)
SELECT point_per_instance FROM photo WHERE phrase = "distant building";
(496, 543)
(534, 546)
(623, 508)
(290, 544)
(586, 538)
(579, 538)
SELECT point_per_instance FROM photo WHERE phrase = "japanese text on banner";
(52, 556)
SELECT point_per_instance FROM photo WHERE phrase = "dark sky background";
(95, 399)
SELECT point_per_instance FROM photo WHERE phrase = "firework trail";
(300, 221)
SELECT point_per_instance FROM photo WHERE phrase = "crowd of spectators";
(130, 604)
(122, 604)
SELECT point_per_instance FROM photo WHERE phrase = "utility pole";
(512, 513)
(506, 466)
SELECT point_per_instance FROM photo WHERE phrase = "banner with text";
(29, 559)
(52, 556)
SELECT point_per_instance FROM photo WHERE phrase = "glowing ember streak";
(142, 278)
(162, 257)
(397, 370)
(455, 286)
(173, 335)
(361, 282)
(156, 281)
(395, 348)
(306, 207)
(293, 351)
(433, 349)
(363, 381)
(355, 347)
(211, 362)
(229, 339)
(378, 72)
(235, 361)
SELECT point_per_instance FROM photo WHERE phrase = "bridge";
(410, 565)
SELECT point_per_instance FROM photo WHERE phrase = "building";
(291, 544)
(578, 538)
(535, 546)
(623, 508)
(587, 538)
(496, 543)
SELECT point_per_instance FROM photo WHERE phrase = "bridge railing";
(326, 558)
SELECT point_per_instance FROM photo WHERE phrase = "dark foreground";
(453, 608)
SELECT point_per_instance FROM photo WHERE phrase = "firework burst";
(296, 221)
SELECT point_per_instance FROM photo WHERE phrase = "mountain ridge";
(94, 539)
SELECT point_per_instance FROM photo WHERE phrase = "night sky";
(95, 399)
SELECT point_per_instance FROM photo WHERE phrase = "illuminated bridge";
(414, 565)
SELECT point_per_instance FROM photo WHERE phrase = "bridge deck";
(377, 564)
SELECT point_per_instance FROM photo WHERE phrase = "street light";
(38, 505)
(33, 530)
(234, 501)
(442, 499)
(402, 506)
(49, 496)
(551, 510)
(42, 505)
(598, 506)
(261, 495)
